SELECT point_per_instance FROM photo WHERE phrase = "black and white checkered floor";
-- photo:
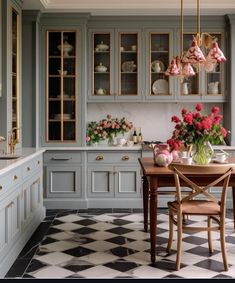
(94, 244)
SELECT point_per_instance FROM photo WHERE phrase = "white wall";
(153, 118)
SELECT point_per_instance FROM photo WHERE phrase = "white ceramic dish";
(160, 87)
(65, 116)
(128, 66)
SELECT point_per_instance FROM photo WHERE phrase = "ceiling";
(132, 7)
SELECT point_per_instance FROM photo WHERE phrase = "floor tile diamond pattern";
(114, 245)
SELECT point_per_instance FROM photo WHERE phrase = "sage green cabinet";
(115, 64)
(63, 174)
(159, 50)
(113, 174)
(205, 86)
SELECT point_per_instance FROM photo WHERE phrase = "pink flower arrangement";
(107, 128)
(195, 128)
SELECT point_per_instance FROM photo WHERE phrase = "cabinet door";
(63, 181)
(61, 94)
(101, 62)
(32, 197)
(158, 85)
(214, 87)
(129, 64)
(10, 217)
(127, 181)
(100, 181)
(15, 73)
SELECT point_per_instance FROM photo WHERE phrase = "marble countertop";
(99, 147)
(24, 155)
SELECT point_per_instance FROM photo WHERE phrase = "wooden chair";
(193, 204)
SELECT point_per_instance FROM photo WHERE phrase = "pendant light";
(190, 62)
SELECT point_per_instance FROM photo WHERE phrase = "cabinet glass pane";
(61, 86)
(101, 64)
(128, 48)
(159, 60)
(214, 78)
(15, 74)
(193, 81)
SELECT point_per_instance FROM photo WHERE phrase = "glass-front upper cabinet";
(61, 93)
(115, 65)
(159, 53)
(128, 79)
(15, 88)
(101, 64)
(214, 85)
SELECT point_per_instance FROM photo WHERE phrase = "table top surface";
(149, 168)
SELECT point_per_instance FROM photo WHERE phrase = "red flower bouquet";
(197, 129)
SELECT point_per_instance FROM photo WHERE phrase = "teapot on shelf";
(213, 87)
(100, 91)
(162, 155)
(101, 68)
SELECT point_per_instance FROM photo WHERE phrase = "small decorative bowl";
(64, 72)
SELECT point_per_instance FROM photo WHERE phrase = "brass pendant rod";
(182, 27)
(198, 19)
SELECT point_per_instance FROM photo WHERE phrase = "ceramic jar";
(101, 68)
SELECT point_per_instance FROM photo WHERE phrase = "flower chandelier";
(188, 63)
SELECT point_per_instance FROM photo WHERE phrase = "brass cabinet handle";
(125, 157)
(99, 157)
(61, 158)
(28, 168)
(1, 188)
(15, 177)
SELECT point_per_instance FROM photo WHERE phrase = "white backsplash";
(153, 118)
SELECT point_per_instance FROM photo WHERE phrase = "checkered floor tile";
(113, 245)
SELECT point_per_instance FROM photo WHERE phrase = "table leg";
(145, 201)
(153, 216)
(233, 189)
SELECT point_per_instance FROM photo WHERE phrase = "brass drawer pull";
(125, 157)
(1, 188)
(99, 157)
(28, 168)
(15, 177)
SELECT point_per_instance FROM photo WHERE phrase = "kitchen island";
(21, 202)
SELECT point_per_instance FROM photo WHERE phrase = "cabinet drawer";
(10, 180)
(113, 157)
(62, 157)
(32, 166)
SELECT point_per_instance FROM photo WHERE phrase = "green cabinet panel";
(63, 174)
(113, 174)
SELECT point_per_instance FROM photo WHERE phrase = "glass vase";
(202, 154)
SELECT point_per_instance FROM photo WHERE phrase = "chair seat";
(197, 207)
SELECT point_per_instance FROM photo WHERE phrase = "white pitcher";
(213, 87)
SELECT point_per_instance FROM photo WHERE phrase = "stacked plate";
(65, 116)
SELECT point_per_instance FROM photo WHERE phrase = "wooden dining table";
(155, 177)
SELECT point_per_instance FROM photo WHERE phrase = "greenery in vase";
(197, 129)
(107, 128)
